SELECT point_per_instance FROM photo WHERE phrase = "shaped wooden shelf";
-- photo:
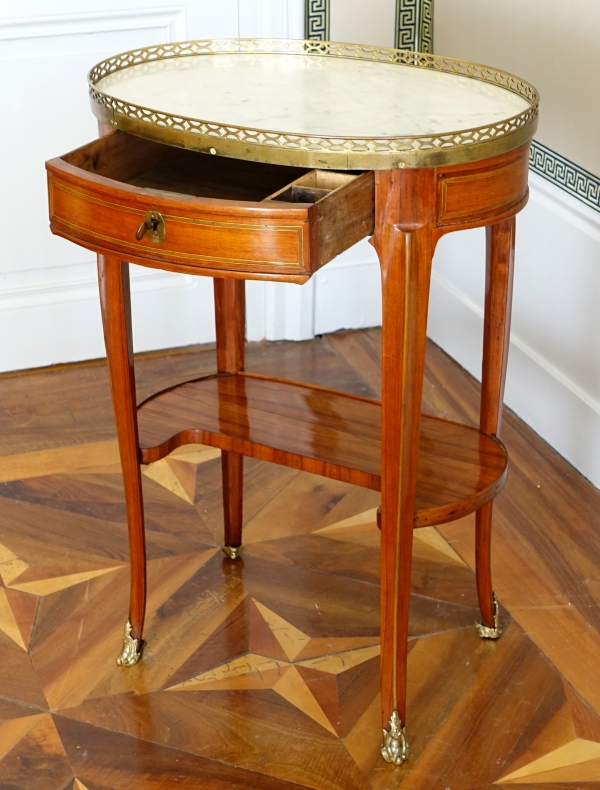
(324, 432)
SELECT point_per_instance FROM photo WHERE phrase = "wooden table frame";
(413, 209)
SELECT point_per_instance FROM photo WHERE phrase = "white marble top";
(313, 95)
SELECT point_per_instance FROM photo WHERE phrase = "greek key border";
(413, 28)
(317, 20)
(414, 25)
(414, 31)
(563, 173)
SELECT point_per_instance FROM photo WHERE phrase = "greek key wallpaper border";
(317, 20)
(414, 25)
(414, 31)
(565, 174)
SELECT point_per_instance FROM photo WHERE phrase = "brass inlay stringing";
(297, 229)
(395, 746)
(233, 552)
(131, 653)
(262, 145)
(495, 631)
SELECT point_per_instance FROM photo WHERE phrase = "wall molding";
(75, 283)
(563, 173)
(464, 302)
(546, 395)
(172, 17)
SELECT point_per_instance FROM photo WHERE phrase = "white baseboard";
(547, 389)
(560, 411)
(53, 316)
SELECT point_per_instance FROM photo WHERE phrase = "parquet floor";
(263, 673)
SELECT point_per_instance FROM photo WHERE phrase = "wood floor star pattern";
(264, 672)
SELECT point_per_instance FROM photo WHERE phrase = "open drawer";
(162, 206)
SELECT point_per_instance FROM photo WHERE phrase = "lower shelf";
(324, 432)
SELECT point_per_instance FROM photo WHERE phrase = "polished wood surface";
(492, 189)
(522, 712)
(288, 234)
(99, 195)
(230, 319)
(500, 256)
(115, 302)
(217, 212)
(324, 432)
(405, 211)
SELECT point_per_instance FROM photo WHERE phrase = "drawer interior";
(169, 170)
(312, 186)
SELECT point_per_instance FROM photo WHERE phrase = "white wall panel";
(553, 378)
(271, 18)
(363, 23)
(47, 281)
(48, 289)
(551, 43)
(348, 291)
(276, 311)
(48, 294)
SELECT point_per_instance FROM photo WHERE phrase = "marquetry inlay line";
(11, 732)
(94, 670)
(291, 639)
(58, 460)
(518, 700)
(574, 753)
(362, 529)
(195, 453)
(177, 472)
(432, 538)
(50, 585)
(363, 534)
(176, 477)
(361, 522)
(8, 622)
(337, 663)
(293, 689)
(254, 671)
(14, 572)
(11, 566)
(359, 741)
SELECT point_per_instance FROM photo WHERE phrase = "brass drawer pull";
(153, 227)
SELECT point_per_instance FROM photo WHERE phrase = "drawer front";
(474, 195)
(111, 222)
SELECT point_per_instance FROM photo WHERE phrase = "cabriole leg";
(230, 317)
(113, 276)
(405, 257)
(500, 252)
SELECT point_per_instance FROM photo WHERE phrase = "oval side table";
(264, 159)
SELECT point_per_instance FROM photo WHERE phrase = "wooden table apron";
(413, 209)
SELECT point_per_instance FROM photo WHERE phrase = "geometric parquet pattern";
(264, 672)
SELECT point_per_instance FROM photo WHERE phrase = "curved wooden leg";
(113, 276)
(405, 256)
(230, 317)
(489, 627)
(500, 252)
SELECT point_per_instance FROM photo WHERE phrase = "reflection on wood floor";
(263, 673)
